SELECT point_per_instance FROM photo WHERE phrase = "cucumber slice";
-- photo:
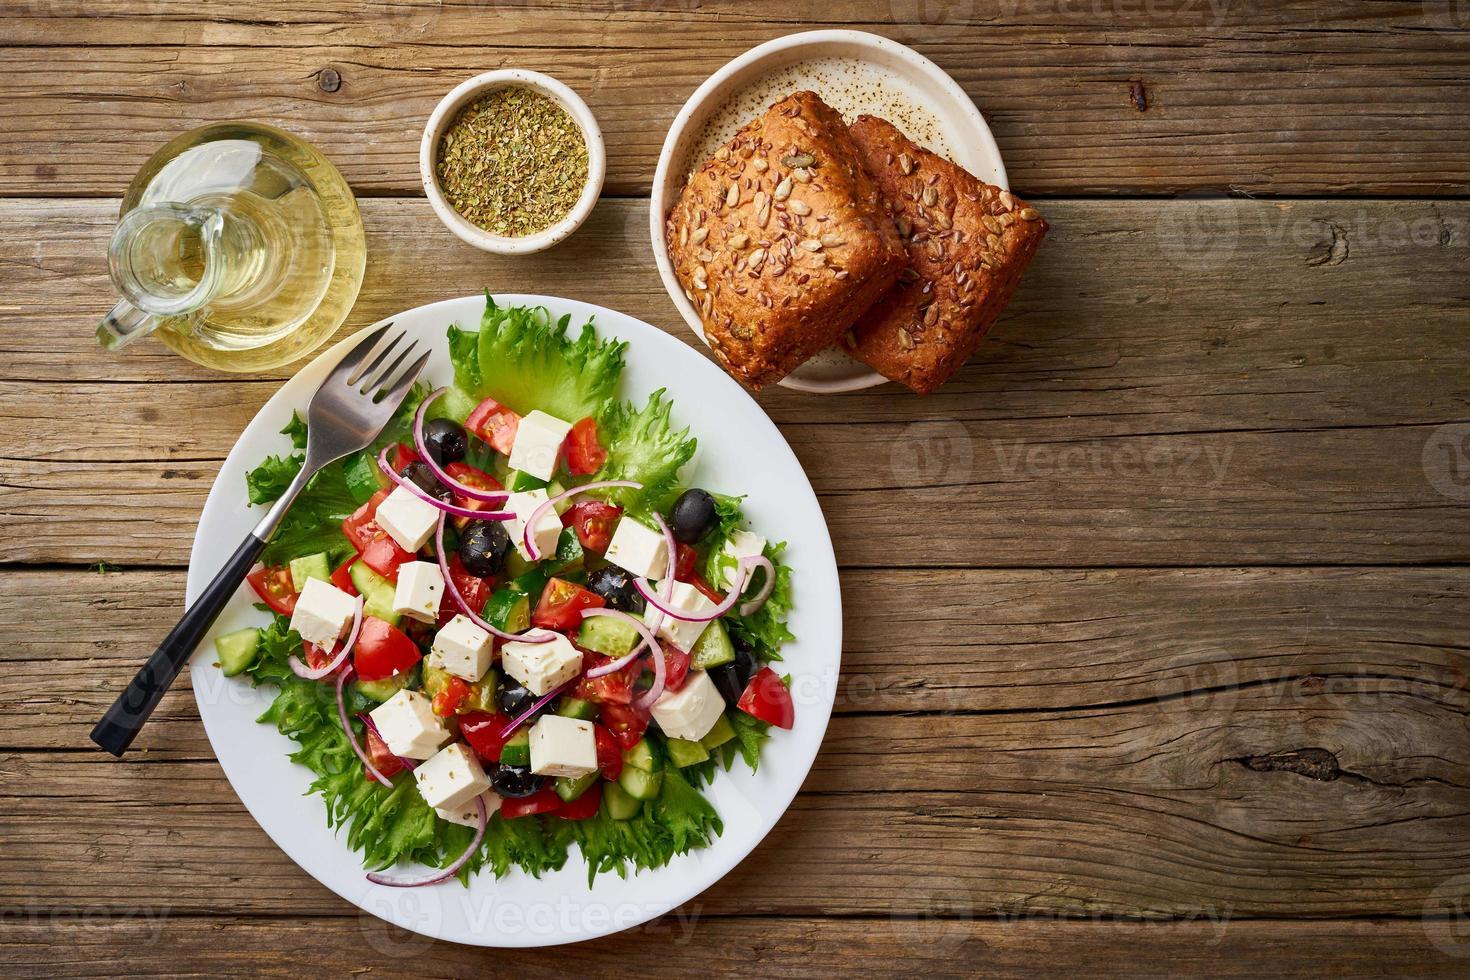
(509, 609)
(569, 557)
(644, 756)
(561, 506)
(683, 752)
(639, 784)
(571, 787)
(376, 591)
(482, 693)
(712, 649)
(606, 634)
(309, 567)
(518, 482)
(237, 650)
(618, 804)
(517, 751)
(531, 583)
(721, 733)
(577, 708)
(382, 690)
(361, 472)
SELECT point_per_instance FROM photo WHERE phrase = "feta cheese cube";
(408, 518)
(538, 444)
(691, 711)
(462, 648)
(682, 633)
(408, 724)
(742, 544)
(466, 814)
(420, 586)
(562, 747)
(322, 613)
(541, 666)
(547, 529)
(452, 778)
(639, 549)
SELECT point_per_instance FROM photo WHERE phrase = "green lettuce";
(642, 445)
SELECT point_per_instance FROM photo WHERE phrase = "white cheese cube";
(742, 544)
(322, 613)
(638, 548)
(451, 778)
(541, 666)
(562, 747)
(420, 586)
(408, 724)
(547, 529)
(408, 518)
(466, 814)
(682, 633)
(462, 648)
(691, 711)
(538, 444)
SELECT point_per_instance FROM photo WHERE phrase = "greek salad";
(508, 628)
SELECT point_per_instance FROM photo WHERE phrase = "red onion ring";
(536, 514)
(745, 565)
(441, 474)
(428, 498)
(352, 738)
(665, 584)
(481, 819)
(372, 726)
(317, 673)
(648, 641)
(509, 730)
(541, 636)
(759, 561)
(660, 675)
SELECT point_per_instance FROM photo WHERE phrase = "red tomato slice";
(625, 723)
(767, 698)
(380, 552)
(477, 478)
(482, 730)
(584, 453)
(448, 701)
(383, 759)
(609, 756)
(541, 801)
(676, 667)
(561, 604)
(615, 688)
(384, 556)
(684, 559)
(474, 589)
(273, 585)
(342, 577)
(495, 424)
(382, 650)
(584, 806)
(594, 522)
(362, 527)
(403, 455)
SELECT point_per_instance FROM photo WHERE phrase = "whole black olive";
(730, 679)
(513, 698)
(693, 516)
(445, 440)
(424, 479)
(515, 781)
(615, 586)
(482, 548)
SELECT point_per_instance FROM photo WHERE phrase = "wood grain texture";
(147, 945)
(1292, 98)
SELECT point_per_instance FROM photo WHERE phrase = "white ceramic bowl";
(854, 72)
(472, 89)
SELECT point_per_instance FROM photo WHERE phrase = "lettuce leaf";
(766, 630)
(678, 820)
(642, 445)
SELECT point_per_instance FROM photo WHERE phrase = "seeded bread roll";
(968, 243)
(780, 240)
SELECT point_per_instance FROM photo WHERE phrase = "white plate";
(854, 72)
(740, 451)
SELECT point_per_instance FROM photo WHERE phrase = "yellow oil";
(291, 255)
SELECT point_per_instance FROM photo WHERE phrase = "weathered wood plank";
(1296, 98)
(145, 945)
(915, 640)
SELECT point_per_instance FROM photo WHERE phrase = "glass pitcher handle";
(125, 323)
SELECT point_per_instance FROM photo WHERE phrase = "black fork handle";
(117, 729)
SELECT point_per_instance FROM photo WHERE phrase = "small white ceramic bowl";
(859, 72)
(465, 93)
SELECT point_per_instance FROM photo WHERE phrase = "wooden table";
(1156, 621)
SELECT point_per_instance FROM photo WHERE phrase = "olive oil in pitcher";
(238, 243)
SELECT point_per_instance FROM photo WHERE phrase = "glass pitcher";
(239, 244)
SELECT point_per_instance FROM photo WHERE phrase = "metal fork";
(346, 414)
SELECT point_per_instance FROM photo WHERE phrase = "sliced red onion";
(509, 730)
(759, 561)
(660, 674)
(540, 511)
(352, 738)
(666, 584)
(428, 498)
(725, 605)
(540, 636)
(481, 819)
(463, 489)
(643, 631)
(372, 726)
(317, 673)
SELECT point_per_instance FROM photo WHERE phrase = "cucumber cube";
(311, 566)
(618, 804)
(571, 787)
(237, 650)
(721, 733)
(639, 784)
(683, 752)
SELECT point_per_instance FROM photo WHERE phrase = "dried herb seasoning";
(513, 162)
